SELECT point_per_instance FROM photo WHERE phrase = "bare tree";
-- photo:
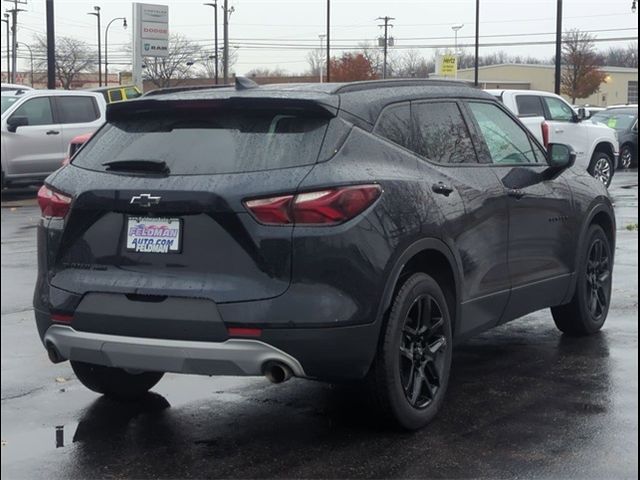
(412, 65)
(73, 56)
(622, 56)
(316, 61)
(581, 74)
(170, 70)
(206, 63)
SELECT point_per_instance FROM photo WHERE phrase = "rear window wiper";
(138, 165)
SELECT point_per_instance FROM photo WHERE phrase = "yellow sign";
(449, 65)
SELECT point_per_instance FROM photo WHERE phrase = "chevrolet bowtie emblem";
(145, 200)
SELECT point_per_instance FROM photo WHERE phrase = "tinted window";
(115, 95)
(76, 109)
(559, 110)
(529, 105)
(395, 125)
(209, 142)
(37, 110)
(507, 142)
(441, 134)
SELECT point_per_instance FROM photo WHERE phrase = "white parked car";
(13, 87)
(37, 126)
(553, 120)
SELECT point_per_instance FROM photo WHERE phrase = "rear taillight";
(52, 203)
(61, 318)
(545, 134)
(330, 206)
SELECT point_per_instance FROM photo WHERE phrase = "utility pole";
(225, 60)
(14, 34)
(6, 20)
(51, 47)
(328, 41)
(215, 36)
(558, 75)
(477, 59)
(386, 42)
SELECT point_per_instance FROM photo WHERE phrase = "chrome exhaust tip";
(277, 372)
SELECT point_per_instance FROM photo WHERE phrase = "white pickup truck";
(553, 120)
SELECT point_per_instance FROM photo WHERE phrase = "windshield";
(7, 101)
(208, 142)
(620, 119)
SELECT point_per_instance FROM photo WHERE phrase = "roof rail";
(162, 91)
(399, 82)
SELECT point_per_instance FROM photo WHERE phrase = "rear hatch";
(158, 200)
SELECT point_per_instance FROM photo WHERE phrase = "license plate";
(153, 235)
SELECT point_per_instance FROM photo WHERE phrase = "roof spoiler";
(129, 110)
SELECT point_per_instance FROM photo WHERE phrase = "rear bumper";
(240, 357)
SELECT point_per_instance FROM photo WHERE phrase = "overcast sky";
(279, 33)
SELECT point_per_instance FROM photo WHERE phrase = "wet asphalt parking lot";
(524, 401)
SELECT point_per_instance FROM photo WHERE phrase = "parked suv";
(337, 232)
(37, 127)
(623, 120)
(553, 120)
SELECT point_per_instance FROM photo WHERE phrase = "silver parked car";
(37, 126)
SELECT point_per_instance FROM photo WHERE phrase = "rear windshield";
(209, 142)
(620, 119)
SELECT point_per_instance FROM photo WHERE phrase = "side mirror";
(559, 157)
(583, 113)
(14, 122)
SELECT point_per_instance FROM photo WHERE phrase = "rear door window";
(209, 142)
(77, 109)
(37, 110)
(441, 133)
(394, 124)
(529, 106)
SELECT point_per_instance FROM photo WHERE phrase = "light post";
(456, 29)
(321, 37)
(6, 20)
(96, 13)
(106, 47)
(634, 7)
(215, 35)
(30, 55)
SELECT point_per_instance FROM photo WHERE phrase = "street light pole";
(215, 36)
(321, 37)
(96, 13)
(14, 35)
(51, 47)
(6, 20)
(328, 41)
(558, 72)
(106, 47)
(30, 55)
(456, 29)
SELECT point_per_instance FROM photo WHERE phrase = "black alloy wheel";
(422, 349)
(598, 278)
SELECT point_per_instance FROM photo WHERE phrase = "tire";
(627, 157)
(602, 167)
(588, 309)
(114, 382)
(401, 396)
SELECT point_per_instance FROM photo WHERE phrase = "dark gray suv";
(340, 232)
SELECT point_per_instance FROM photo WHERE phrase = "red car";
(74, 146)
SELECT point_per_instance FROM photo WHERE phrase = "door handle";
(515, 193)
(559, 130)
(53, 132)
(442, 189)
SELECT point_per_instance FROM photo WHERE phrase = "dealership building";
(620, 86)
